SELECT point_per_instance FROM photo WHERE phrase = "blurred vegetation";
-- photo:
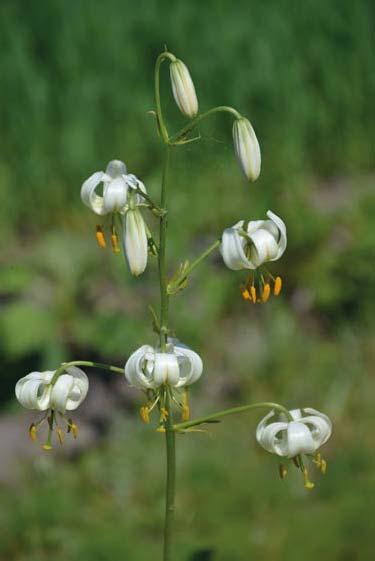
(77, 83)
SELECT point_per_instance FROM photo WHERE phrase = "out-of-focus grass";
(76, 87)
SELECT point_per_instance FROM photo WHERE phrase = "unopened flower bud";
(183, 88)
(247, 148)
(135, 241)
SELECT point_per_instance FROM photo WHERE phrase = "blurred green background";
(76, 86)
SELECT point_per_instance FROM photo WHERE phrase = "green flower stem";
(232, 411)
(88, 363)
(149, 200)
(171, 481)
(164, 298)
(164, 308)
(203, 256)
(161, 123)
(190, 126)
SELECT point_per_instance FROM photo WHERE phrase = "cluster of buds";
(246, 145)
(249, 246)
(157, 372)
(121, 199)
(302, 436)
(55, 395)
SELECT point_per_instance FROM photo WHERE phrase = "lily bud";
(246, 147)
(183, 88)
(135, 241)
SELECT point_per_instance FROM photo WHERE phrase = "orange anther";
(245, 293)
(100, 237)
(266, 292)
(115, 245)
(32, 432)
(277, 286)
(253, 294)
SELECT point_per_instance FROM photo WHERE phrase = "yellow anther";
(277, 286)
(145, 414)
(307, 483)
(320, 463)
(32, 432)
(100, 237)
(266, 292)
(185, 413)
(283, 472)
(47, 446)
(60, 435)
(253, 294)
(245, 293)
(163, 414)
(114, 241)
(185, 405)
(323, 466)
(160, 429)
(74, 429)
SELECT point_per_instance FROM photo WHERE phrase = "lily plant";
(166, 369)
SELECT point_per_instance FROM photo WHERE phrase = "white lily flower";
(246, 147)
(116, 183)
(36, 391)
(183, 88)
(135, 241)
(308, 431)
(249, 247)
(148, 368)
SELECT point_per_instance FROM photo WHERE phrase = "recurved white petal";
(69, 390)
(190, 365)
(116, 168)
(34, 390)
(300, 440)
(115, 195)
(136, 371)
(166, 369)
(232, 249)
(263, 247)
(89, 196)
(282, 241)
(272, 438)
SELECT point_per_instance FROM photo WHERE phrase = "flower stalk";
(165, 371)
(180, 427)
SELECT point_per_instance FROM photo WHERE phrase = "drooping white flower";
(248, 247)
(135, 241)
(36, 390)
(183, 88)
(308, 431)
(116, 184)
(149, 368)
(246, 147)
